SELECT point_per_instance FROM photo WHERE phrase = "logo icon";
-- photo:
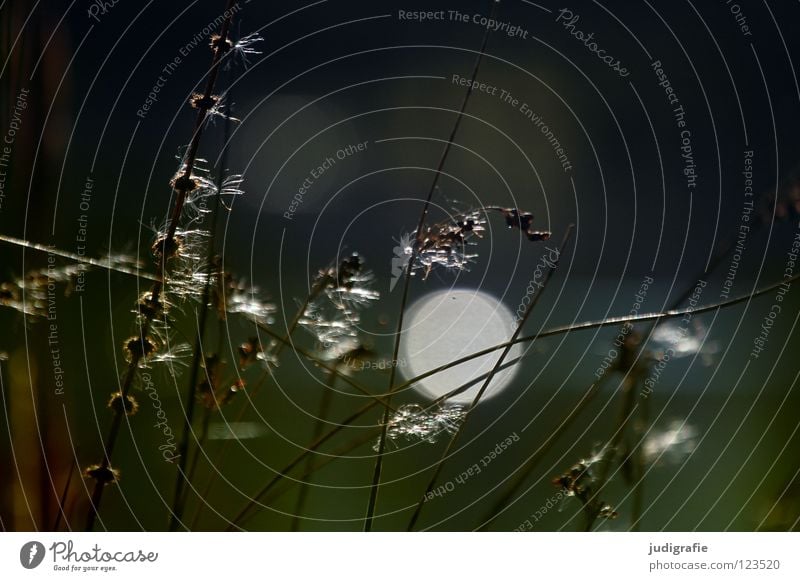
(402, 253)
(31, 554)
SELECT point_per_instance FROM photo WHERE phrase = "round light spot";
(447, 325)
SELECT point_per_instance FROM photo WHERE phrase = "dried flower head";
(165, 248)
(123, 405)
(672, 444)
(30, 294)
(607, 512)
(523, 221)
(582, 482)
(684, 340)
(9, 294)
(102, 474)
(446, 244)
(414, 423)
(175, 356)
(200, 101)
(183, 183)
(346, 285)
(138, 348)
(11, 297)
(249, 352)
(243, 49)
(150, 308)
(240, 298)
(330, 327)
(356, 357)
(186, 277)
(234, 389)
(578, 481)
(332, 313)
(252, 351)
(213, 106)
(218, 42)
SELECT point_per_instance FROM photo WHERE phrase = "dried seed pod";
(521, 220)
(606, 511)
(127, 405)
(183, 183)
(102, 474)
(218, 42)
(237, 387)
(199, 101)
(412, 422)
(249, 352)
(8, 293)
(138, 348)
(578, 481)
(165, 248)
(149, 308)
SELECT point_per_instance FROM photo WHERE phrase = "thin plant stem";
(319, 427)
(336, 454)
(287, 339)
(638, 461)
(543, 449)
(627, 411)
(63, 499)
(108, 448)
(219, 459)
(376, 476)
(454, 439)
(332, 369)
(95, 262)
(321, 440)
(629, 406)
(183, 187)
(592, 391)
(198, 357)
(608, 322)
(574, 412)
(297, 460)
(282, 340)
(358, 441)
